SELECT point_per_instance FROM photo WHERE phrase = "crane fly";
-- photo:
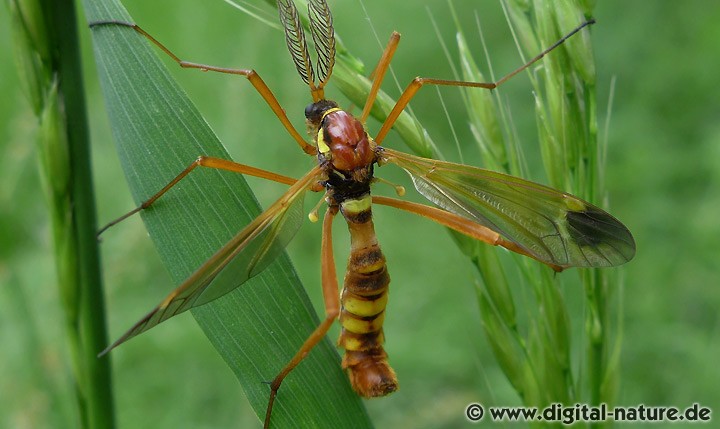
(550, 226)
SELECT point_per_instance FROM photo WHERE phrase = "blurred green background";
(662, 179)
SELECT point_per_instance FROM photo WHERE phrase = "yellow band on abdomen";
(365, 307)
(361, 326)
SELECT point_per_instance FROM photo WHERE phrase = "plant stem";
(49, 58)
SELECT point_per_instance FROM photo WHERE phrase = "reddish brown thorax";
(348, 142)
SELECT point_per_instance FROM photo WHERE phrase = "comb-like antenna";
(323, 35)
(295, 39)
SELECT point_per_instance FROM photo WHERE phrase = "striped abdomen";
(363, 299)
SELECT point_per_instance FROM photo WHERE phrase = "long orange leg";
(378, 74)
(332, 309)
(210, 162)
(251, 75)
(418, 82)
(459, 224)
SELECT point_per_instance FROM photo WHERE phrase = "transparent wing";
(244, 256)
(552, 226)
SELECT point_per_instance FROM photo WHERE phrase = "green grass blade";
(258, 327)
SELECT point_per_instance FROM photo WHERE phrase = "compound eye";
(311, 110)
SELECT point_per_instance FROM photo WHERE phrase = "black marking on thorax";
(343, 187)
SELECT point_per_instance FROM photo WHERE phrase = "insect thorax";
(341, 139)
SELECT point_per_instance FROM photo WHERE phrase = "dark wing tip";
(596, 229)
